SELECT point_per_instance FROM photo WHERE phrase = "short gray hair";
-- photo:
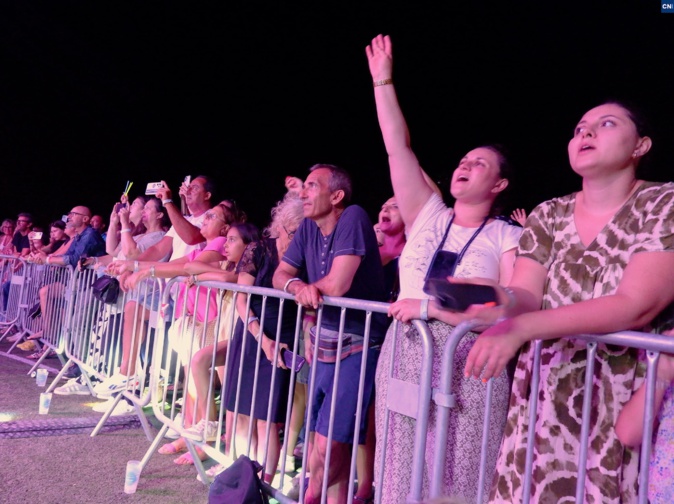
(339, 180)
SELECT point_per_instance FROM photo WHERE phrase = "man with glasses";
(20, 248)
(86, 243)
(20, 241)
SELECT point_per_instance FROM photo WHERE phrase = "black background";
(93, 94)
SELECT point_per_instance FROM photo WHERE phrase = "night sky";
(93, 94)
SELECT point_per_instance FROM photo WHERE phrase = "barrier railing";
(232, 393)
(95, 337)
(90, 334)
(12, 278)
(20, 308)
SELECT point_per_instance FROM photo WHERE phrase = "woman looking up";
(482, 247)
(594, 262)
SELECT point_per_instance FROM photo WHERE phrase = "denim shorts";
(347, 396)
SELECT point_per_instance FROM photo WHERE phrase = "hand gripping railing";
(654, 344)
(167, 415)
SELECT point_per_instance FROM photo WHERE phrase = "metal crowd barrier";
(89, 333)
(12, 281)
(94, 334)
(164, 404)
(653, 344)
(20, 308)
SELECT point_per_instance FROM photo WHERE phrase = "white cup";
(133, 468)
(45, 401)
(41, 379)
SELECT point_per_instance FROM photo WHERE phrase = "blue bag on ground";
(239, 484)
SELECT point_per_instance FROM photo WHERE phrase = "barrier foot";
(155, 444)
(105, 417)
(144, 422)
(198, 464)
(52, 386)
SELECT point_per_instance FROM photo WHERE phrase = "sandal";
(38, 355)
(171, 449)
(186, 458)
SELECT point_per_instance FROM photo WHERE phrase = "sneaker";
(172, 433)
(205, 430)
(74, 386)
(212, 472)
(123, 408)
(115, 383)
(102, 407)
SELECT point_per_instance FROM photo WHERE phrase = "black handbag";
(106, 289)
(444, 262)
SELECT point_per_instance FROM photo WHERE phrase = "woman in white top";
(484, 247)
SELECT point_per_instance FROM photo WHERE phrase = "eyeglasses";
(193, 187)
(289, 233)
(76, 213)
(213, 215)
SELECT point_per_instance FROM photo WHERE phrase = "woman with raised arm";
(480, 246)
(596, 261)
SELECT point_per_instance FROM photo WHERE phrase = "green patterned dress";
(577, 273)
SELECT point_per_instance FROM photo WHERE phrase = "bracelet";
(47, 259)
(253, 319)
(512, 300)
(166, 201)
(125, 231)
(382, 82)
(285, 287)
(424, 309)
(152, 271)
(136, 266)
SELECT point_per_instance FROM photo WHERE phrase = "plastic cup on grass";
(41, 379)
(133, 468)
(45, 401)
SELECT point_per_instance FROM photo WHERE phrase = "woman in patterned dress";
(488, 247)
(596, 261)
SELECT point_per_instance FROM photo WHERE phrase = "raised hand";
(380, 57)
(124, 216)
(164, 192)
(293, 184)
(519, 215)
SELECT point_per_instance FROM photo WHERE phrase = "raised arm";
(111, 240)
(187, 231)
(409, 185)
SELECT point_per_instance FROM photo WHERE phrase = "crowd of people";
(595, 261)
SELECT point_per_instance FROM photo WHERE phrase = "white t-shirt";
(180, 248)
(482, 259)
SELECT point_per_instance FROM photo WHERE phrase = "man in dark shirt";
(86, 243)
(20, 240)
(335, 248)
